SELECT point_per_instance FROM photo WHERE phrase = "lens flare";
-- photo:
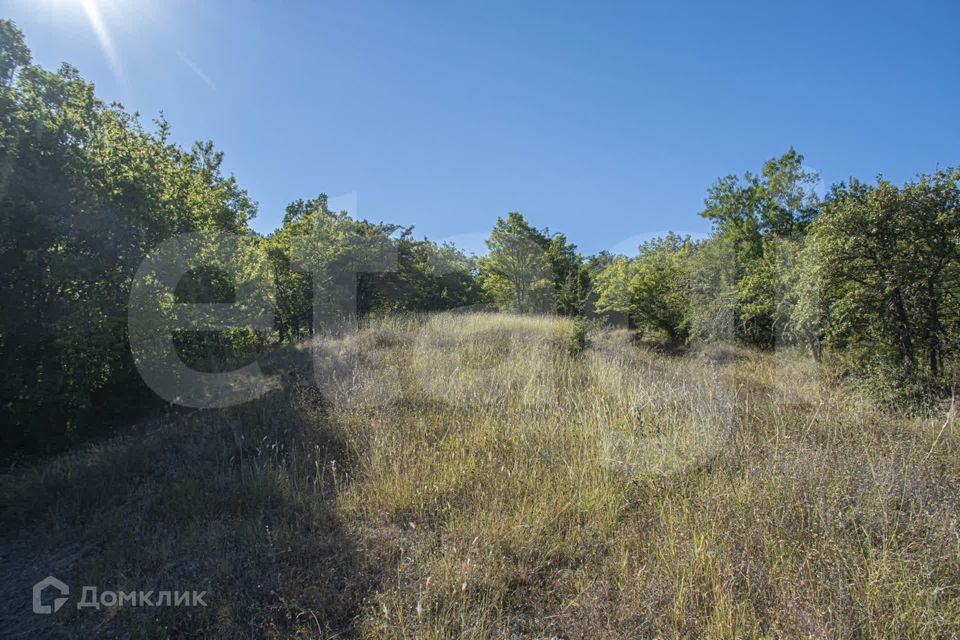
(92, 9)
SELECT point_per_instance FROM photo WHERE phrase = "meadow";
(487, 475)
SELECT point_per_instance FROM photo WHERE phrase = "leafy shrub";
(578, 341)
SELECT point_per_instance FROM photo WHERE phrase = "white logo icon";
(49, 581)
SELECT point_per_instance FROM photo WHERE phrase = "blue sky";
(606, 121)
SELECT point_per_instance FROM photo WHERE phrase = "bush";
(578, 341)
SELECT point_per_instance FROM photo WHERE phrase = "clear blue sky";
(601, 120)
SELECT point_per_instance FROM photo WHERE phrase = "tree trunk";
(902, 323)
(933, 330)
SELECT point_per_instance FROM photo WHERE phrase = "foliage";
(579, 338)
(653, 288)
(85, 191)
(528, 270)
(751, 213)
(660, 288)
(396, 272)
(889, 264)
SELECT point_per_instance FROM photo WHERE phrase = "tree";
(529, 269)
(653, 288)
(660, 286)
(889, 263)
(85, 192)
(429, 277)
(612, 285)
(752, 214)
(516, 273)
(571, 279)
(420, 276)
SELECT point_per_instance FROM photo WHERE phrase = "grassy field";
(473, 476)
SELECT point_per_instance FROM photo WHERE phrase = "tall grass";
(486, 475)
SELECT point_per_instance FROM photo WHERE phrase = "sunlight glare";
(92, 9)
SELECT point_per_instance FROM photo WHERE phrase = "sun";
(96, 13)
(113, 23)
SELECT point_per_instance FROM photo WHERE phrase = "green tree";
(660, 286)
(528, 269)
(753, 213)
(423, 277)
(571, 278)
(516, 273)
(611, 283)
(85, 192)
(889, 267)
(653, 288)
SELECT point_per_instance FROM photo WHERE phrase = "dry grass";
(466, 476)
